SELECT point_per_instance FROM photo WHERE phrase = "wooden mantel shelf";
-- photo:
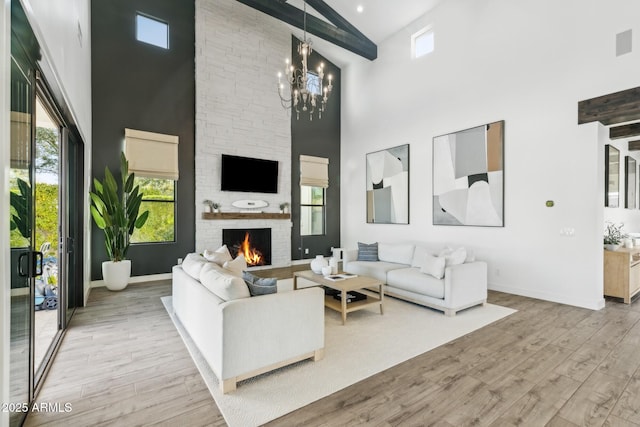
(245, 215)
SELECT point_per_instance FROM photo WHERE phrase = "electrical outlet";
(497, 272)
(306, 251)
(179, 261)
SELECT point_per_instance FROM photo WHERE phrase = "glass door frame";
(43, 96)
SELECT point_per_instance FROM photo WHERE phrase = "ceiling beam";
(634, 145)
(335, 18)
(618, 107)
(291, 15)
(624, 131)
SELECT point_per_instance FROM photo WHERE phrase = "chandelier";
(306, 89)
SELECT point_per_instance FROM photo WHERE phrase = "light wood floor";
(122, 363)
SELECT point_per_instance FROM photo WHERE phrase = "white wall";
(527, 63)
(5, 256)
(63, 29)
(238, 53)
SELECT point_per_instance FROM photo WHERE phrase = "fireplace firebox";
(253, 243)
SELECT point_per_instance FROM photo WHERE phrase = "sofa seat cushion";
(412, 280)
(223, 283)
(378, 269)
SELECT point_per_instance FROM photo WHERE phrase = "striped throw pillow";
(367, 251)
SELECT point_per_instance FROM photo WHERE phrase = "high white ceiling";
(378, 20)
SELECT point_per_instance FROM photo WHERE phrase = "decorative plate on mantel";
(249, 204)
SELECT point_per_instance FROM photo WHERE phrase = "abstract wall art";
(388, 186)
(468, 177)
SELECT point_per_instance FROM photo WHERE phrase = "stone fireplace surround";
(243, 120)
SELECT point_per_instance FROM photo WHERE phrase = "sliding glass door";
(21, 239)
(46, 214)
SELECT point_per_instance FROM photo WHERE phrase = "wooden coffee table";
(357, 283)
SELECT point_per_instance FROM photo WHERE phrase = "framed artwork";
(468, 177)
(388, 186)
(630, 182)
(611, 176)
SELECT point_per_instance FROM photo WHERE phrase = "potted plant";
(115, 211)
(284, 207)
(613, 236)
(215, 207)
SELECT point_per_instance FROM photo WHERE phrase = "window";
(152, 31)
(422, 42)
(313, 83)
(312, 211)
(159, 199)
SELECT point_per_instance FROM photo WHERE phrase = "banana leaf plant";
(20, 218)
(115, 210)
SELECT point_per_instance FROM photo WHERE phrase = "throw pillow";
(219, 256)
(237, 266)
(192, 264)
(259, 285)
(433, 265)
(454, 256)
(471, 257)
(367, 251)
(226, 286)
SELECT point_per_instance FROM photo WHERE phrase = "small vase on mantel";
(318, 263)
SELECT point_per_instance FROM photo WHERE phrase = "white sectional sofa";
(242, 336)
(402, 268)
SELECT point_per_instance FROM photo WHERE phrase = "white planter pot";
(318, 263)
(116, 274)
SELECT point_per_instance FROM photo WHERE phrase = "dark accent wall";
(320, 137)
(140, 86)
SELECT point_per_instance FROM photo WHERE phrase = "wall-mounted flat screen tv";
(249, 175)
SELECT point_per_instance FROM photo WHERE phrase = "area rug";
(369, 343)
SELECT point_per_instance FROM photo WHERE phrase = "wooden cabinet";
(622, 273)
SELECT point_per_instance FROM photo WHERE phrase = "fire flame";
(251, 255)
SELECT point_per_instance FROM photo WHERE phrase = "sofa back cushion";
(192, 265)
(222, 283)
(401, 253)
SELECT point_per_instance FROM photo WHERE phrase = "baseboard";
(137, 279)
(592, 305)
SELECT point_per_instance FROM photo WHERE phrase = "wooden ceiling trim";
(335, 18)
(624, 131)
(353, 41)
(618, 107)
(634, 145)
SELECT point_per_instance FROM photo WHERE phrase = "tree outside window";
(159, 199)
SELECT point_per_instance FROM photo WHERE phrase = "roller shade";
(151, 155)
(314, 171)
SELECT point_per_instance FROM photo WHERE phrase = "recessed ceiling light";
(360, 9)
